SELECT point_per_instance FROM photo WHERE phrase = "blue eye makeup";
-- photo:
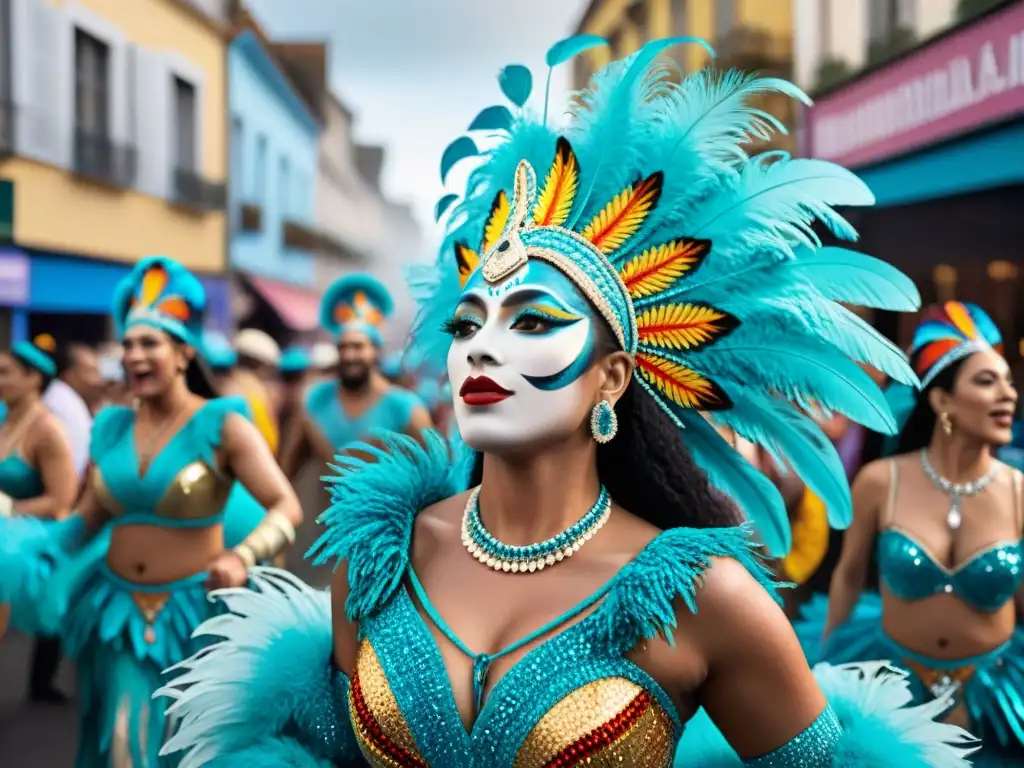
(550, 318)
(462, 324)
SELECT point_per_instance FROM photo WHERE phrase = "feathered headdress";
(950, 332)
(37, 354)
(702, 260)
(218, 352)
(356, 302)
(161, 293)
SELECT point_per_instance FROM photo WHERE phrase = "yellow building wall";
(55, 210)
(700, 22)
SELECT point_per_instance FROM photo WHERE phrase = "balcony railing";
(8, 114)
(300, 236)
(332, 246)
(251, 218)
(750, 49)
(98, 158)
(192, 190)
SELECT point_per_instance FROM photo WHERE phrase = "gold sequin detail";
(196, 493)
(599, 715)
(370, 689)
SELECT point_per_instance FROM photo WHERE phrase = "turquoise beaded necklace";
(531, 557)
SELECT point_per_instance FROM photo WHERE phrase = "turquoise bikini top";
(575, 696)
(987, 580)
(181, 487)
(18, 480)
(391, 412)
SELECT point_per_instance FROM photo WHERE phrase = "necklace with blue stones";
(531, 557)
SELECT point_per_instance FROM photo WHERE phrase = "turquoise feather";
(571, 47)
(496, 118)
(443, 205)
(856, 278)
(458, 150)
(516, 83)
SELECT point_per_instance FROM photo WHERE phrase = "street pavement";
(32, 736)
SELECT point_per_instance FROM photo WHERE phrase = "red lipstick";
(480, 390)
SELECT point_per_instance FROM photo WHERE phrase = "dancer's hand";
(227, 570)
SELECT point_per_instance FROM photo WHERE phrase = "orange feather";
(932, 353)
(624, 215)
(958, 313)
(468, 260)
(683, 326)
(658, 267)
(343, 313)
(153, 284)
(555, 201)
(176, 307)
(683, 386)
(496, 221)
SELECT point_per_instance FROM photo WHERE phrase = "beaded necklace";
(531, 557)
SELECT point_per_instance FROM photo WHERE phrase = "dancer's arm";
(418, 423)
(295, 446)
(51, 452)
(869, 491)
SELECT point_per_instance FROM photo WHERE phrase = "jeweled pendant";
(954, 518)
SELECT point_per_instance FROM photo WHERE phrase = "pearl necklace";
(958, 491)
(531, 557)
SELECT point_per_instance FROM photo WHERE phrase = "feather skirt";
(990, 686)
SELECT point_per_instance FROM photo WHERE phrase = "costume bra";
(986, 580)
(19, 480)
(181, 487)
(391, 412)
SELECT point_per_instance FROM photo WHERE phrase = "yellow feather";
(623, 216)
(810, 539)
(468, 260)
(683, 386)
(555, 201)
(657, 268)
(153, 284)
(683, 326)
(496, 221)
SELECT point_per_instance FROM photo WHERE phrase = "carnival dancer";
(945, 519)
(603, 285)
(294, 373)
(37, 468)
(360, 399)
(162, 473)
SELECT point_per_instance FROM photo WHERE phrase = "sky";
(416, 72)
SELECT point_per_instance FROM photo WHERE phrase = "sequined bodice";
(18, 480)
(986, 581)
(181, 487)
(569, 700)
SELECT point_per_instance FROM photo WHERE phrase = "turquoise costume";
(122, 634)
(648, 167)
(991, 685)
(356, 303)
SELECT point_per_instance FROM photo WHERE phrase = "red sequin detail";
(599, 738)
(372, 733)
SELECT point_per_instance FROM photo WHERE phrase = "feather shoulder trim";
(376, 494)
(640, 602)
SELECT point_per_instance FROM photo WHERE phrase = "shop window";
(259, 180)
(92, 85)
(184, 125)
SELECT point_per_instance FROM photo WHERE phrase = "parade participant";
(359, 398)
(162, 473)
(253, 378)
(293, 371)
(603, 286)
(945, 520)
(323, 360)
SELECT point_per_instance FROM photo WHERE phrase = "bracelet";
(6, 505)
(270, 537)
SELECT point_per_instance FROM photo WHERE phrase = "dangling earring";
(947, 423)
(603, 422)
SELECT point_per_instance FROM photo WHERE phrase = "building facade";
(274, 133)
(113, 139)
(750, 35)
(937, 132)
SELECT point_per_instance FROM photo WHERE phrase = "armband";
(268, 540)
(814, 747)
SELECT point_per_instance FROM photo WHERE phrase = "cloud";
(415, 72)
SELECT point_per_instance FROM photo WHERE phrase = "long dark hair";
(920, 426)
(647, 468)
(199, 379)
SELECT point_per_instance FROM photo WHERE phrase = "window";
(184, 125)
(725, 17)
(883, 19)
(825, 27)
(92, 85)
(5, 53)
(259, 181)
(237, 170)
(283, 183)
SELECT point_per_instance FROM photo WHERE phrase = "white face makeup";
(517, 359)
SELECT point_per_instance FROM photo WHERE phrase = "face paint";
(517, 359)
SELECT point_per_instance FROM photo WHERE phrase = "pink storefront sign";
(971, 78)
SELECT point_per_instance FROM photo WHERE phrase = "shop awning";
(298, 308)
